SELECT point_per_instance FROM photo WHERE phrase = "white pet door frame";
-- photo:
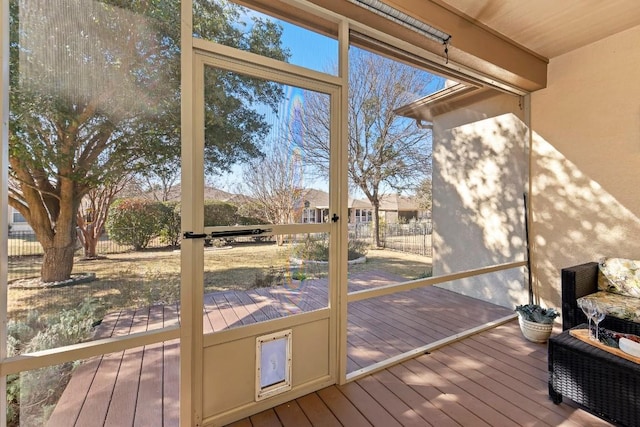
(273, 364)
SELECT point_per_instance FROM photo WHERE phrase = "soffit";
(550, 27)
(475, 49)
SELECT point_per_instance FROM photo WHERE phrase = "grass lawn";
(138, 279)
(131, 280)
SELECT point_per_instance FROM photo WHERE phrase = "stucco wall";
(586, 160)
(479, 178)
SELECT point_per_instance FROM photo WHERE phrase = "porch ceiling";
(550, 27)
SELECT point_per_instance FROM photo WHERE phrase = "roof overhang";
(448, 99)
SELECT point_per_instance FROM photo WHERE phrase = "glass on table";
(588, 307)
(599, 312)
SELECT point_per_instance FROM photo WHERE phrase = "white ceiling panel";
(550, 27)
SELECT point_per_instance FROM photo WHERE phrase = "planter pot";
(535, 332)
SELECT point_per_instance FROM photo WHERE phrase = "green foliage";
(135, 222)
(312, 248)
(32, 395)
(535, 313)
(317, 249)
(428, 272)
(170, 232)
(272, 277)
(298, 275)
(250, 213)
(220, 213)
(216, 243)
(424, 194)
(83, 113)
(234, 129)
(253, 220)
(356, 249)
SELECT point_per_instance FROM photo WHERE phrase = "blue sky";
(321, 57)
(310, 50)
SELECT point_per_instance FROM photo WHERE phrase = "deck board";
(446, 404)
(317, 412)
(345, 411)
(492, 378)
(400, 410)
(123, 404)
(291, 415)
(414, 399)
(267, 419)
(369, 406)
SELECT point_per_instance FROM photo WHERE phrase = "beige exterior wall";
(586, 160)
(479, 178)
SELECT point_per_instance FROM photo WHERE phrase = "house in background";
(316, 208)
(360, 211)
(396, 208)
(17, 222)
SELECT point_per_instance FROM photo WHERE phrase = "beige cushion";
(616, 305)
(620, 276)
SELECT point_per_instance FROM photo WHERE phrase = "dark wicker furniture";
(578, 281)
(602, 383)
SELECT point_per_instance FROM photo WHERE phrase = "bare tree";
(386, 151)
(273, 185)
(93, 213)
(424, 194)
(162, 179)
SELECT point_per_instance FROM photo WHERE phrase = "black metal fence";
(414, 237)
(25, 252)
(24, 243)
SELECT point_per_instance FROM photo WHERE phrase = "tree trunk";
(376, 224)
(59, 242)
(89, 242)
(57, 263)
(87, 237)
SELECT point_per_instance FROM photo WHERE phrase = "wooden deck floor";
(378, 328)
(494, 378)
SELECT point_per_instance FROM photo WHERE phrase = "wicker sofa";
(582, 280)
(598, 381)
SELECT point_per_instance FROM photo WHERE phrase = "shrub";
(220, 213)
(253, 220)
(428, 272)
(171, 231)
(298, 275)
(135, 222)
(250, 213)
(317, 249)
(216, 243)
(357, 248)
(32, 395)
(270, 278)
(312, 249)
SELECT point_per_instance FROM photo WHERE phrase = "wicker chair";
(578, 281)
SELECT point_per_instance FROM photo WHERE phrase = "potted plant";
(536, 322)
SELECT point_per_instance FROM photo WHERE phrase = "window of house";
(18, 218)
